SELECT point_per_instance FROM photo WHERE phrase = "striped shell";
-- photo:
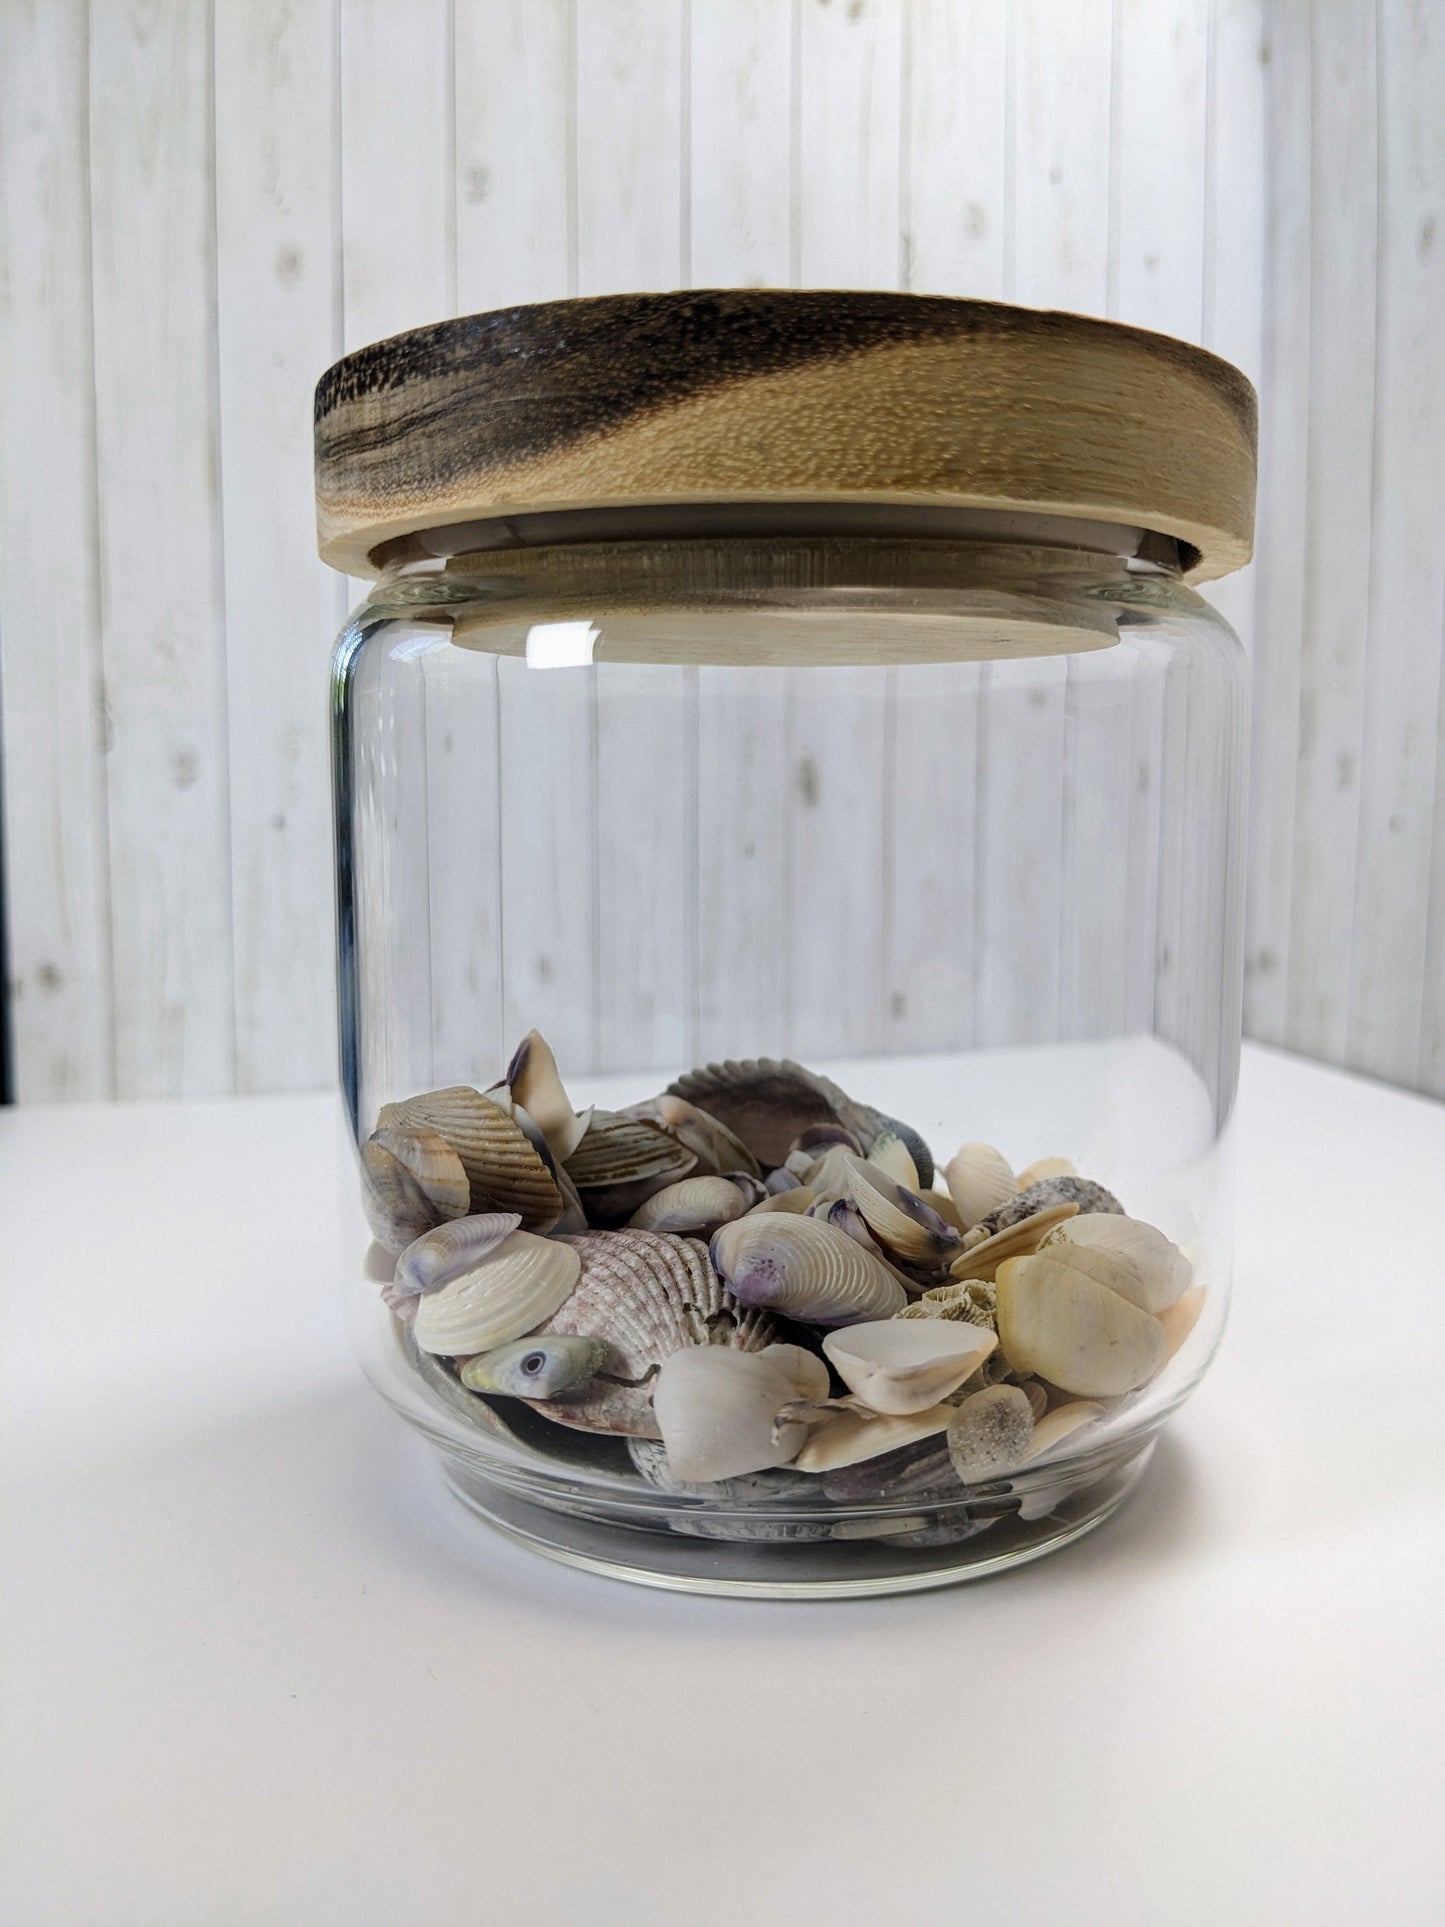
(619, 1163)
(438, 1256)
(509, 1292)
(506, 1171)
(714, 1146)
(806, 1269)
(649, 1295)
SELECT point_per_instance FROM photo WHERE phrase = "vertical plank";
(514, 128)
(55, 854)
(1284, 461)
(1061, 92)
(955, 147)
(629, 236)
(848, 88)
(1344, 161)
(1157, 271)
(152, 181)
(274, 209)
(739, 174)
(1399, 773)
(739, 144)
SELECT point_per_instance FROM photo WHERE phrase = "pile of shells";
(757, 1282)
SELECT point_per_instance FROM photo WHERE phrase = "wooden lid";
(751, 395)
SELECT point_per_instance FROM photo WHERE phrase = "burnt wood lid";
(753, 395)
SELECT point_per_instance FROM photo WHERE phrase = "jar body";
(956, 826)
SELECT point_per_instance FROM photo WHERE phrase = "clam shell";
(1128, 1256)
(718, 1152)
(845, 1216)
(1042, 1169)
(715, 1408)
(827, 1174)
(1180, 1320)
(505, 1170)
(804, 1268)
(1051, 1431)
(1074, 1332)
(438, 1256)
(850, 1436)
(898, 1217)
(979, 1180)
(1038, 1400)
(649, 1295)
(991, 1433)
(621, 1161)
(693, 1207)
(819, 1138)
(767, 1102)
(915, 1144)
(894, 1159)
(397, 1208)
(798, 1200)
(506, 1294)
(982, 1260)
(536, 1084)
(900, 1366)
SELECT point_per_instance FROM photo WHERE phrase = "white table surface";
(258, 1670)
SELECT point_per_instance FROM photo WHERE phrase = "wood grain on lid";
(783, 395)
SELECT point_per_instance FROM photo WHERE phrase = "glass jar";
(789, 871)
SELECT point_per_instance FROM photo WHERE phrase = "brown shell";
(620, 1162)
(649, 1295)
(505, 1170)
(769, 1102)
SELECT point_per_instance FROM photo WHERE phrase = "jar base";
(846, 1568)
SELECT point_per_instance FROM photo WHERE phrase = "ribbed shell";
(805, 1269)
(509, 1293)
(440, 1255)
(649, 1295)
(506, 1172)
(717, 1150)
(768, 1102)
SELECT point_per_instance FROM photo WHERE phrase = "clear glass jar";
(848, 862)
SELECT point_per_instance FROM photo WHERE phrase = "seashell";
(648, 1295)
(914, 1144)
(621, 1161)
(899, 1218)
(767, 1487)
(894, 1159)
(438, 1256)
(819, 1138)
(991, 1433)
(920, 1471)
(902, 1366)
(718, 1152)
(799, 1199)
(1060, 1424)
(536, 1367)
(979, 1180)
(402, 1303)
(448, 1392)
(411, 1179)
(522, 1281)
(754, 1191)
(715, 1408)
(1042, 1169)
(1064, 1326)
(1079, 1192)
(851, 1436)
(982, 1260)
(1180, 1320)
(827, 1175)
(1128, 1256)
(767, 1102)
(970, 1302)
(535, 1084)
(504, 1167)
(804, 1268)
(1038, 1400)
(782, 1180)
(692, 1207)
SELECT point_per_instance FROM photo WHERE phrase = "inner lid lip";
(723, 521)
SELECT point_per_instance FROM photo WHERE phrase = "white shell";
(796, 1201)
(894, 1159)
(1073, 1331)
(536, 1084)
(852, 1436)
(438, 1256)
(1043, 1168)
(1180, 1320)
(1130, 1257)
(1056, 1426)
(900, 1366)
(510, 1292)
(691, 1207)
(715, 1408)
(898, 1217)
(804, 1268)
(979, 1179)
(981, 1261)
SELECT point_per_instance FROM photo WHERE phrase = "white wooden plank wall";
(205, 200)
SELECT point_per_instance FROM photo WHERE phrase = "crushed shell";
(503, 1167)
(508, 1293)
(971, 1302)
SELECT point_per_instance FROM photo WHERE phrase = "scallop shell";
(506, 1294)
(982, 1260)
(693, 1207)
(536, 1084)
(901, 1366)
(621, 1161)
(649, 1295)
(979, 1180)
(438, 1256)
(718, 1152)
(767, 1102)
(898, 1217)
(852, 1435)
(396, 1201)
(895, 1160)
(505, 1169)
(991, 1433)
(1128, 1256)
(1067, 1328)
(804, 1268)
(715, 1408)
(1042, 1169)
